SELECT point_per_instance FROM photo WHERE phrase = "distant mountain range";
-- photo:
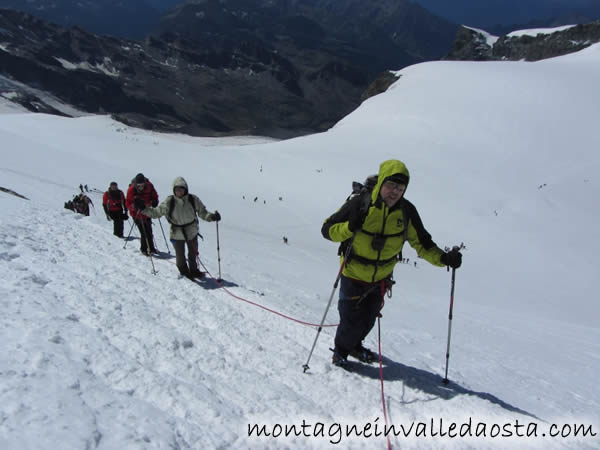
(503, 16)
(225, 66)
(123, 18)
(135, 19)
(279, 68)
(375, 35)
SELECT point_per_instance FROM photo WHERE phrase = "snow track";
(116, 357)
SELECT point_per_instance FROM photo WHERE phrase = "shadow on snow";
(211, 283)
(428, 383)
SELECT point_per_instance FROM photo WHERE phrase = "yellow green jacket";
(365, 263)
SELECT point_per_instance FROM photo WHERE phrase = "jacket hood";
(180, 181)
(387, 169)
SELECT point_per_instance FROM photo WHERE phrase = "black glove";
(216, 216)
(355, 220)
(139, 204)
(453, 258)
(108, 218)
(125, 216)
(154, 203)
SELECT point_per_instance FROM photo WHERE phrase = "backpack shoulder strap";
(406, 220)
(365, 202)
(193, 202)
(417, 223)
(171, 207)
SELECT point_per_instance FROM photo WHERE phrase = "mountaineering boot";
(197, 274)
(186, 274)
(338, 360)
(363, 354)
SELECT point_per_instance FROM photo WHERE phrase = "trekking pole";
(163, 233)
(154, 272)
(127, 238)
(218, 253)
(133, 226)
(445, 380)
(335, 285)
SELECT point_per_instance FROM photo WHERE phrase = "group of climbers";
(372, 227)
(181, 208)
(80, 204)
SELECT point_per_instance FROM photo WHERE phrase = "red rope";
(316, 325)
(258, 305)
(381, 377)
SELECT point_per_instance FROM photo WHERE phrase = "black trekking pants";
(146, 237)
(192, 246)
(359, 306)
(117, 218)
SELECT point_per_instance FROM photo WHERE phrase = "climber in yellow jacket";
(376, 225)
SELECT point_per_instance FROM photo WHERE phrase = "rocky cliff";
(476, 45)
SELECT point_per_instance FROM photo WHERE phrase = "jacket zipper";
(385, 217)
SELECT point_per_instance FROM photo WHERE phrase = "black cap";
(398, 178)
(140, 178)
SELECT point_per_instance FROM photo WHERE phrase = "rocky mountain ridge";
(275, 70)
(169, 84)
(476, 45)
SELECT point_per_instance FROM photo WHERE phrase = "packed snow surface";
(98, 352)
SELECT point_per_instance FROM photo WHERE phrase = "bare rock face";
(545, 46)
(471, 45)
(380, 85)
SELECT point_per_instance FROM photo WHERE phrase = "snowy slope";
(99, 353)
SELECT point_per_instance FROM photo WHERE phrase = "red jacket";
(149, 195)
(114, 200)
